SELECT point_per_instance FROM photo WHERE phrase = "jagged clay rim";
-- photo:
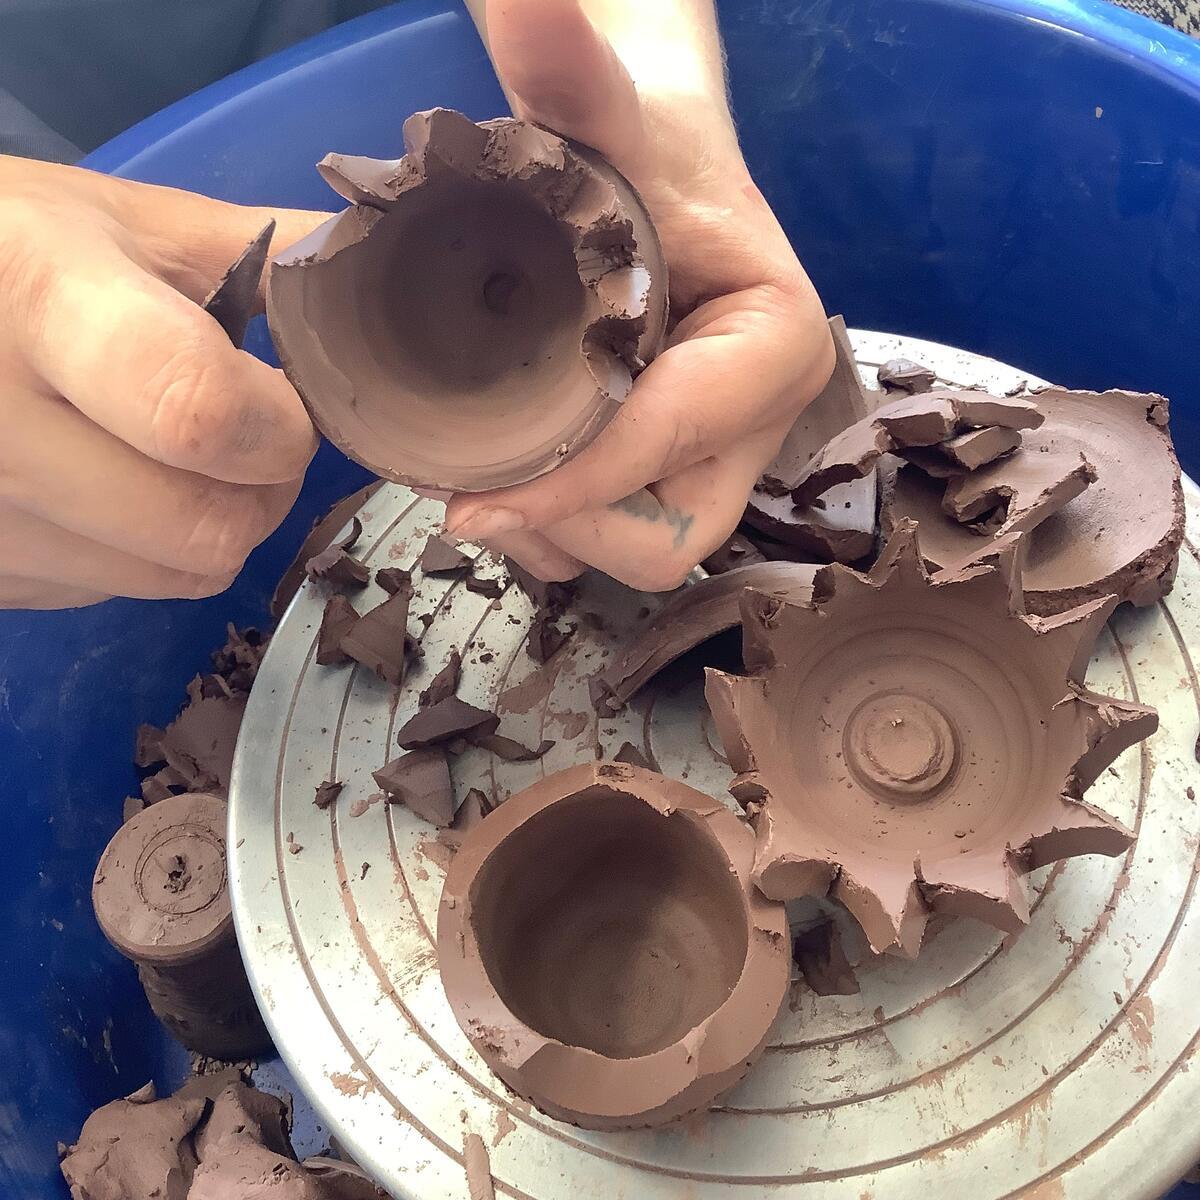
(788, 871)
(561, 1079)
(602, 214)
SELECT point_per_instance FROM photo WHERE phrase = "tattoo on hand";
(646, 508)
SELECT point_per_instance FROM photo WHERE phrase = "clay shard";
(841, 528)
(504, 237)
(509, 749)
(242, 1167)
(556, 596)
(629, 753)
(948, 741)
(966, 452)
(692, 615)
(444, 721)
(610, 1007)
(445, 683)
(924, 420)
(492, 588)
(337, 1180)
(420, 780)
(440, 557)
(235, 298)
(338, 619)
(1018, 495)
(736, 551)
(240, 1110)
(337, 566)
(327, 793)
(546, 636)
(394, 579)
(200, 743)
(817, 952)
(379, 639)
(904, 375)
(1120, 536)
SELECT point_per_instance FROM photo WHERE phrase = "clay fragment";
(237, 662)
(379, 639)
(736, 551)
(339, 617)
(904, 375)
(131, 806)
(444, 721)
(840, 527)
(394, 579)
(543, 595)
(337, 1180)
(966, 452)
(948, 741)
(337, 566)
(501, 236)
(420, 780)
(445, 683)
(439, 557)
(238, 1166)
(609, 1007)
(200, 743)
(629, 753)
(242, 1110)
(818, 953)
(924, 420)
(147, 746)
(319, 538)
(479, 1168)
(546, 636)
(235, 298)
(492, 588)
(695, 613)
(509, 749)
(1121, 536)
(327, 793)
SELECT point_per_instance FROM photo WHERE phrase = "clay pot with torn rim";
(604, 949)
(479, 313)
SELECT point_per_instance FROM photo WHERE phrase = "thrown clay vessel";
(161, 898)
(1114, 529)
(908, 744)
(479, 313)
(603, 946)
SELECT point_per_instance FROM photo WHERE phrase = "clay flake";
(479, 312)
(948, 741)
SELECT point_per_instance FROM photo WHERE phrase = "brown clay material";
(440, 557)
(509, 749)
(1013, 497)
(339, 617)
(394, 579)
(904, 375)
(557, 596)
(479, 313)
(238, 1166)
(201, 741)
(612, 1007)
(420, 780)
(492, 588)
(338, 567)
(337, 1180)
(631, 754)
(692, 615)
(444, 721)
(923, 420)
(327, 793)
(1120, 537)
(240, 1109)
(379, 639)
(235, 298)
(161, 898)
(445, 683)
(966, 452)
(823, 964)
(947, 739)
(546, 635)
(479, 1168)
(841, 528)
(736, 551)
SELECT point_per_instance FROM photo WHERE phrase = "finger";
(654, 540)
(36, 593)
(735, 379)
(143, 362)
(538, 555)
(57, 465)
(35, 549)
(561, 71)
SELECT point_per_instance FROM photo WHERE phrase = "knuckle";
(228, 525)
(193, 411)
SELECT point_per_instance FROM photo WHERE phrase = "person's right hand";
(141, 454)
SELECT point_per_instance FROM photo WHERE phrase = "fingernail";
(486, 523)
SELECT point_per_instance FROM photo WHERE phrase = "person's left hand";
(666, 482)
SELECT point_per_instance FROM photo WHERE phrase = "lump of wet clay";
(420, 780)
(823, 964)
(910, 421)
(240, 1167)
(612, 1007)
(440, 557)
(478, 314)
(695, 613)
(964, 452)
(904, 375)
(338, 1180)
(443, 722)
(235, 298)
(200, 743)
(1115, 529)
(908, 744)
(161, 897)
(241, 1110)
(140, 1146)
(379, 639)
(394, 579)
(841, 527)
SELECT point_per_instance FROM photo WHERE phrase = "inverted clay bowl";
(478, 314)
(605, 950)
(908, 744)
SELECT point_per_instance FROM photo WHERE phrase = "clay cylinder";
(478, 314)
(161, 898)
(605, 950)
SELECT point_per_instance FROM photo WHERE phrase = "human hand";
(664, 484)
(141, 454)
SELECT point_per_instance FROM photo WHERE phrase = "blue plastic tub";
(1021, 179)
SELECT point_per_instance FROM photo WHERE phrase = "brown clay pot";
(604, 949)
(478, 314)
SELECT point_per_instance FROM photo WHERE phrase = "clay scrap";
(904, 375)
(440, 557)
(444, 721)
(948, 741)
(1120, 536)
(379, 639)
(924, 420)
(841, 527)
(502, 237)
(420, 780)
(607, 1007)
(695, 613)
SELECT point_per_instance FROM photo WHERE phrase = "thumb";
(562, 72)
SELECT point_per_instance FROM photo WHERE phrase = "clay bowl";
(479, 313)
(604, 949)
